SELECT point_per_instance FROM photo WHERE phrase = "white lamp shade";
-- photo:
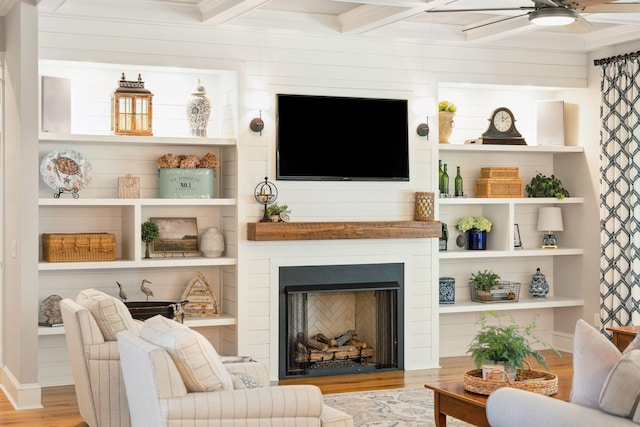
(550, 219)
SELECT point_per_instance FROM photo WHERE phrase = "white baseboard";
(21, 396)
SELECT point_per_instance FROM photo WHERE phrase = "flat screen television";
(341, 138)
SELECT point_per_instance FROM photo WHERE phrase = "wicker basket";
(78, 247)
(526, 379)
(504, 292)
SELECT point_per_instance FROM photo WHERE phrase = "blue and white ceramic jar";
(198, 111)
(539, 288)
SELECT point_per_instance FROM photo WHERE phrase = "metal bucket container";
(143, 310)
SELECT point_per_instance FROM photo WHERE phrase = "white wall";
(336, 65)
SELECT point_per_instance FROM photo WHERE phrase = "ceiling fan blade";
(580, 5)
(495, 9)
(495, 22)
(581, 26)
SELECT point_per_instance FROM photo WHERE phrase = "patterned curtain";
(619, 192)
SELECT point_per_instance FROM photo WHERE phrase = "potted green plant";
(446, 111)
(485, 280)
(476, 229)
(508, 345)
(275, 210)
(150, 232)
(546, 186)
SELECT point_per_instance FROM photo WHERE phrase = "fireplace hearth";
(340, 319)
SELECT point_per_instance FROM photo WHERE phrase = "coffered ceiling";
(601, 23)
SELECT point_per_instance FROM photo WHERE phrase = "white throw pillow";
(593, 358)
(196, 359)
(620, 394)
(111, 315)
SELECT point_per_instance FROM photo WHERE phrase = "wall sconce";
(131, 108)
(550, 220)
(424, 107)
(259, 101)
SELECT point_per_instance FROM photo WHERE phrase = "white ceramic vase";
(212, 243)
(198, 111)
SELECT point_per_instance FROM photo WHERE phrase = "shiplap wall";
(326, 65)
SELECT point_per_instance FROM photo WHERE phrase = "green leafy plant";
(478, 222)
(447, 106)
(506, 343)
(150, 231)
(484, 280)
(546, 186)
(276, 209)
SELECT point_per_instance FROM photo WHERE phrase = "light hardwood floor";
(61, 410)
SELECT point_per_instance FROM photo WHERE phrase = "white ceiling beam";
(369, 17)
(220, 11)
(50, 5)
(6, 5)
(379, 13)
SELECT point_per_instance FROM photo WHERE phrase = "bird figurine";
(122, 293)
(145, 290)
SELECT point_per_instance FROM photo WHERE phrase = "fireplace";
(340, 319)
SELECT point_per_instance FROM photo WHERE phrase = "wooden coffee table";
(450, 397)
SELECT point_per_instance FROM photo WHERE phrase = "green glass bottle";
(440, 173)
(445, 181)
(458, 184)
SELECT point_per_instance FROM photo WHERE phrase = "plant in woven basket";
(506, 343)
(546, 186)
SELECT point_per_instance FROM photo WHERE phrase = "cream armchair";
(157, 385)
(90, 324)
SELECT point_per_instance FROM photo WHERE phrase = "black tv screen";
(341, 138)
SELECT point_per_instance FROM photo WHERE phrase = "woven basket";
(526, 379)
(78, 247)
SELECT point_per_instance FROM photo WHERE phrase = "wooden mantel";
(270, 231)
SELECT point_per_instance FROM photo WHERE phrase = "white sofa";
(605, 390)
(160, 382)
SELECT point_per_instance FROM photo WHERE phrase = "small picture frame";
(177, 235)
(517, 240)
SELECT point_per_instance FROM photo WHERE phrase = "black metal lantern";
(266, 193)
(131, 108)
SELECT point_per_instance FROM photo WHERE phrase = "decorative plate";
(65, 170)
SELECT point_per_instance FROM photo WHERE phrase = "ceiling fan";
(552, 12)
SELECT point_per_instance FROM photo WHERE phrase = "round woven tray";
(536, 381)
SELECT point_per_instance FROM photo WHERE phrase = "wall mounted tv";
(341, 138)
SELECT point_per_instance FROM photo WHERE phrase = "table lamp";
(550, 220)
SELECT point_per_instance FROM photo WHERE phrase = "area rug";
(402, 407)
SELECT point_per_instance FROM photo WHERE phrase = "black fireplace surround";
(297, 284)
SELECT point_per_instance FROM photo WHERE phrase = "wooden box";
(502, 173)
(129, 187)
(78, 247)
(496, 187)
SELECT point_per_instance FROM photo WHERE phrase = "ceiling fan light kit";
(553, 16)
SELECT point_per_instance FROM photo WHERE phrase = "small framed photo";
(177, 235)
(517, 241)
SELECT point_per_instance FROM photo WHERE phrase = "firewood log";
(325, 339)
(367, 352)
(320, 356)
(356, 343)
(345, 337)
(309, 342)
(347, 353)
